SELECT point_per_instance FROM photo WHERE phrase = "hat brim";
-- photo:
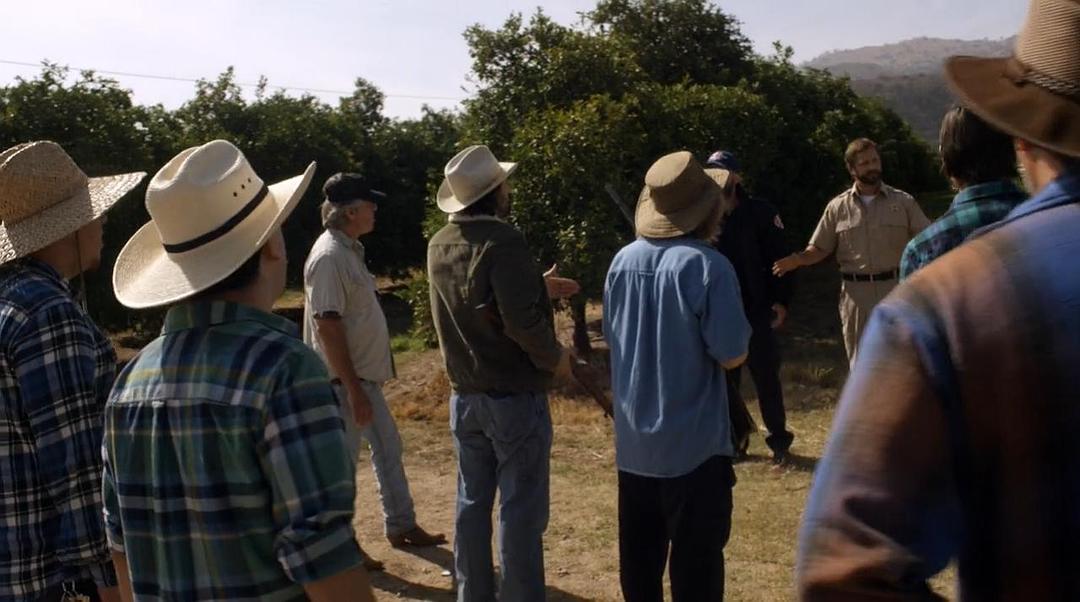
(992, 89)
(650, 223)
(145, 275)
(448, 203)
(64, 218)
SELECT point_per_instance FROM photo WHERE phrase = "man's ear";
(274, 249)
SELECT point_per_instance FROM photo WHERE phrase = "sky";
(412, 50)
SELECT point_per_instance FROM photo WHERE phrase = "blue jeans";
(504, 443)
(399, 515)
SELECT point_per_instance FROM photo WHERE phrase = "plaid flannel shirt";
(56, 369)
(972, 208)
(227, 476)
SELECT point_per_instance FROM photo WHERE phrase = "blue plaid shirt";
(972, 208)
(56, 369)
(227, 476)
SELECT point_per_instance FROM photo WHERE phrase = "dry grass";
(582, 539)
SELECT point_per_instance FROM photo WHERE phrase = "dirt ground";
(581, 550)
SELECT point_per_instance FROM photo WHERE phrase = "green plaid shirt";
(972, 208)
(227, 476)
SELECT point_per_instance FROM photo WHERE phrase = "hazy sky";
(412, 50)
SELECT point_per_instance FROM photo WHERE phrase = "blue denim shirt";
(672, 311)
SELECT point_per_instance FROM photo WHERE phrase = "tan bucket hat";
(209, 213)
(470, 175)
(44, 196)
(1034, 94)
(678, 196)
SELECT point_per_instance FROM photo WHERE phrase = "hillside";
(909, 57)
(906, 75)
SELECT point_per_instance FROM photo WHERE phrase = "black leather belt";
(879, 277)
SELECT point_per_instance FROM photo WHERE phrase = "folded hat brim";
(42, 229)
(993, 89)
(449, 203)
(650, 223)
(145, 275)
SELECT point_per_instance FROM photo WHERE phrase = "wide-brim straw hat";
(44, 196)
(1034, 94)
(470, 175)
(210, 212)
(677, 198)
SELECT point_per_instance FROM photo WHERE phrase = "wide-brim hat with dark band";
(470, 175)
(209, 213)
(678, 196)
(1034, 94)
(44, 196)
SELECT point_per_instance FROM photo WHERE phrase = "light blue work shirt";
(672, 312)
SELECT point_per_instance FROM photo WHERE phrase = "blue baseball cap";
(723, 159)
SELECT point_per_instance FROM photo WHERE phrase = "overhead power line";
(172, 78)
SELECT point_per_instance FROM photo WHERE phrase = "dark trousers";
(689, 513)
(764, 364)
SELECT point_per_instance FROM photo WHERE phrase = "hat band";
(221, 230)
(1025, 73)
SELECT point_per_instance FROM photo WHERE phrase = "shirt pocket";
(893, 228)
(847, 229)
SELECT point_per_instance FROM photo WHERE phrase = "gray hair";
(333, 216)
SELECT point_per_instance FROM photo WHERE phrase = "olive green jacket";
(491, 309)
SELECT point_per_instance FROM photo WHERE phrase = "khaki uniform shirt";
(336, 279)
(869, 238)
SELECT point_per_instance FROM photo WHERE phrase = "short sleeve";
(824, 236)
(325, 286)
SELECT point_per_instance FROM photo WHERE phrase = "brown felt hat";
(678, 196)
(1034, 94)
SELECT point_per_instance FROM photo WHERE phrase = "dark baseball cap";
(347, 188)
(723, 159)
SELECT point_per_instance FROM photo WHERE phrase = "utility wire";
(242, 84)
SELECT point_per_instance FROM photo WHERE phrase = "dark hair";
(973, 151)
(857, 146)
(244, 275)
(1068, 163)
(486, 205)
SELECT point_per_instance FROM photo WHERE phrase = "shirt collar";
(1062, 191)
(855, 194)
(204, 314)
(996, 189)
(44, 270)
(344, 239)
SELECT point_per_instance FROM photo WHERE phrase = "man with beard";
(867, 226)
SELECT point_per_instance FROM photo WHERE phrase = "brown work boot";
(416, 537)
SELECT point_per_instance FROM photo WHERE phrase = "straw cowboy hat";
(678, 196)
(1034, 94)
(44, 197)
(209, 213)
(470, 175)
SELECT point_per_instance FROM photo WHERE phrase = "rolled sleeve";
(824, 236)
(523, 303)
(883, 514)
(56, 364)
(325, 282)
(311, 473)
(723, 324)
